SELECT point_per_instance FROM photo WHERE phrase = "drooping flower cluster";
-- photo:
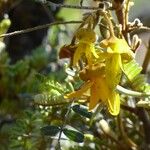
(86, 38)
(102, 68)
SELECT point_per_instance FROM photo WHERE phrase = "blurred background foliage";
(30, 97)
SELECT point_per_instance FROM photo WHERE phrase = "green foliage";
(25, 134)
(74, 135)
(136, 80)
(34, 113)
(132, 69)
(50, 130)
(82, 110)
(17, 84)
(52, 92)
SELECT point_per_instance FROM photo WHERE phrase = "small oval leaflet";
(82, 110)
(73, 135)
(40, 77)
(50, 130)
(132, 69)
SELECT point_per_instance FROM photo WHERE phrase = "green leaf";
(55, 85)
(132, 69)
(82, 110)
(49, 85)
(50, 99)
(50, 130)
(136, 80)
(139, 82)
(73, 135)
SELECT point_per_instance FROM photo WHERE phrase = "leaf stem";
(127, 140)
(128, 92)
(64, 123)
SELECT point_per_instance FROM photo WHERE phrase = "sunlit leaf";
(50, 99)
(74, 135)
(82, 110)
(132, 69)
(137, 81)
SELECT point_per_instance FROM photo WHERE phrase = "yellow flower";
(95, 81)
(101, 79)
(86, 38)
(118, 52)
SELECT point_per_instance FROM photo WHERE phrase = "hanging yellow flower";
(102, 78)
(118, 52)
(86, 38)
(95, 81)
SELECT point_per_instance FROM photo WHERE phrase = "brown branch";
(109, 133)
(129, 143)
(111, 28)
(126, 13)
(37, 28)
(141, 112)
(128, 108)
(144, 117)
(118, 6)
(146, 59)
(71, 6)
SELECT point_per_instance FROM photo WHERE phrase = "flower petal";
(113, 104)
(99, 91)
(119, 46)
(90, 52)
(80, 92)
(93, 50)
(77, 54)
(113, 70)
(89, 56)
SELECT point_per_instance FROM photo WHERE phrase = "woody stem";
(111, 28)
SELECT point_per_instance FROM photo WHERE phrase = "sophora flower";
(95, 82)
(85, 47)
(117, 52)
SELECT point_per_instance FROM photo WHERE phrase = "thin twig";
(38, 28)
(144, 117)
(70, 6)
(109, 133)
(129, 143)
(126, 14)
(66, 116)
(53, 105)
(144, 28)
(119, 12)
(64, 123)
(111, 28)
